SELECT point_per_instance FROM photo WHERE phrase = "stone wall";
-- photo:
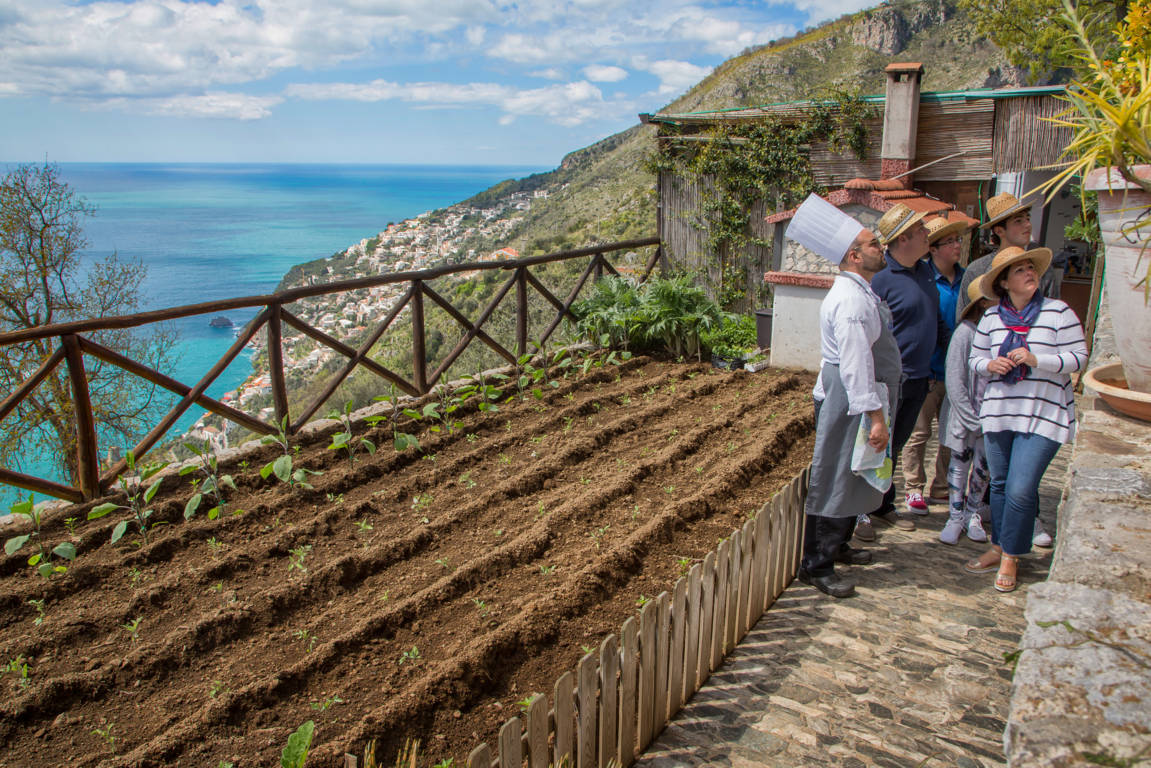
(1082, 689)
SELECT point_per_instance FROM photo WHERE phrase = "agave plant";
(1110, 107)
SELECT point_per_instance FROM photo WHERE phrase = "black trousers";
(823, 539)
(911, 396)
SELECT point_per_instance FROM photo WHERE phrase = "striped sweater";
(1042, 402)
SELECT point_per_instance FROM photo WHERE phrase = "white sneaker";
(975, 530)
(1042, 539)
(952, 531)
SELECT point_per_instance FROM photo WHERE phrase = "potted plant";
(1109, 115)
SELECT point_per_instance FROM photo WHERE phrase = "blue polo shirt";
(948, 307)
(915, 316)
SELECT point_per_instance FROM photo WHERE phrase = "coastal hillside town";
(447, 236)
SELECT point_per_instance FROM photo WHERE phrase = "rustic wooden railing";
(273, 314)
(606, 713)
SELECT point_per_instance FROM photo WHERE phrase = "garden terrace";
(406, 594)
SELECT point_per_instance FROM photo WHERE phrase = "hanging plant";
(763, 159)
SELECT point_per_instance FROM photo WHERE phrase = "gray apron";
(834, 490)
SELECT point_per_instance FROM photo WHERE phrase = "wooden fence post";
(511, 744)
(87, 453)
(648, 626)
(276, 364)
(419, 357)
(587, 712)
(521, 311)
(538, 732)
(628, 676)
(678, 629)
(563, 691)
(609, 712)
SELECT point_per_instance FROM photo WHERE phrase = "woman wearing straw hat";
(945, 244)
(1026, 346)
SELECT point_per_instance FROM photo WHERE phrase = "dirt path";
(408, 594)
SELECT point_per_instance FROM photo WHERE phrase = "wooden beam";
(87, 453)
(567, 304)
(31, 382)
(419, 355)
(295, 294)
(39, 485)
(521, 311)
(215, 406)
(473, 331)
(166, 423)
(276, 365)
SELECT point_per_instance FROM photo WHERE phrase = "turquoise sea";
(213, 231)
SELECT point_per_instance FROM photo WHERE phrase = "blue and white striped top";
(1042, 402)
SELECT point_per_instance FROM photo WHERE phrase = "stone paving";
(909, 672)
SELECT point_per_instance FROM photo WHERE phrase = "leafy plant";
(296, 559)
(295, 752)
(412, 655)
(401, 441)
(305, 636)
(132, 628)
(282, 466)
(41, 560)
(210, 484)
(105, 733)
(216, 688)
(41, 613)
(734, 337)
(326, 704)
(137, 499)
(19, 667)
(347, 440)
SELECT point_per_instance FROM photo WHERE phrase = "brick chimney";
(900, 120)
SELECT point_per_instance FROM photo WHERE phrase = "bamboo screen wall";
(619, 698)
(683, 232)
(1022, 139)
(949, 127)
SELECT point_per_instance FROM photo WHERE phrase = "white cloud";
(566, 104)
(551, 73)
(675, 77)
(598, 73)
(218, 104)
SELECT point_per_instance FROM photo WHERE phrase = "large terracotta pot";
(1121, 207)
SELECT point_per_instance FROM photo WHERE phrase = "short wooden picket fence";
(619, 699)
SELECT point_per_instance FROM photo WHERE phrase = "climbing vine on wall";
(763, 159)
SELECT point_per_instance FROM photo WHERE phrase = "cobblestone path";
(909, 672)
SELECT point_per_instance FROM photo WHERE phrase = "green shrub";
(735, 336)
(661, 314)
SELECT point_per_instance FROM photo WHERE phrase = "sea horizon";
(215, 231)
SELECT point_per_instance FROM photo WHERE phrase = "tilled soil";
(441, 587)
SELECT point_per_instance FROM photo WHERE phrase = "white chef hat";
(822, 228)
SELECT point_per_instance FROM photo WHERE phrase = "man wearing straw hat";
(1008, 225)
(908, 288)
(858, 381)
(944, 241)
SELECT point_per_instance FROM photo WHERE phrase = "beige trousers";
(914, 476)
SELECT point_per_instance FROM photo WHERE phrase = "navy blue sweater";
(914, 303)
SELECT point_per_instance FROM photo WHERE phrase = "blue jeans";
(1016, 462)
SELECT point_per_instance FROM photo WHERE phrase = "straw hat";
(1003, 206)
(975, 295)
(896, 221)
(939, 228)
(1040, 257)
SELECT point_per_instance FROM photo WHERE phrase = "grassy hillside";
(609, 195)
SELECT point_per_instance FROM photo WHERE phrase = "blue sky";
(358, 81)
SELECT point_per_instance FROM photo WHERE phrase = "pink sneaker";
(915, 503)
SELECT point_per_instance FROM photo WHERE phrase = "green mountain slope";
(609, 195)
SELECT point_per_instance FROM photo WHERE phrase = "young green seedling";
(209, 483)
(296, 559)
(41, 560)
(412, 655)
(41, 613)
(326, 704)
(282, 466)
(137, 500)
(547, 570)
(401, 441)
(106, 734)
(347, 440)
(132, 628)
(295, 753)
(19, 667)
(305, 636)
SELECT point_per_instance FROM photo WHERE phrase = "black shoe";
(852, 556)
(831, 584)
